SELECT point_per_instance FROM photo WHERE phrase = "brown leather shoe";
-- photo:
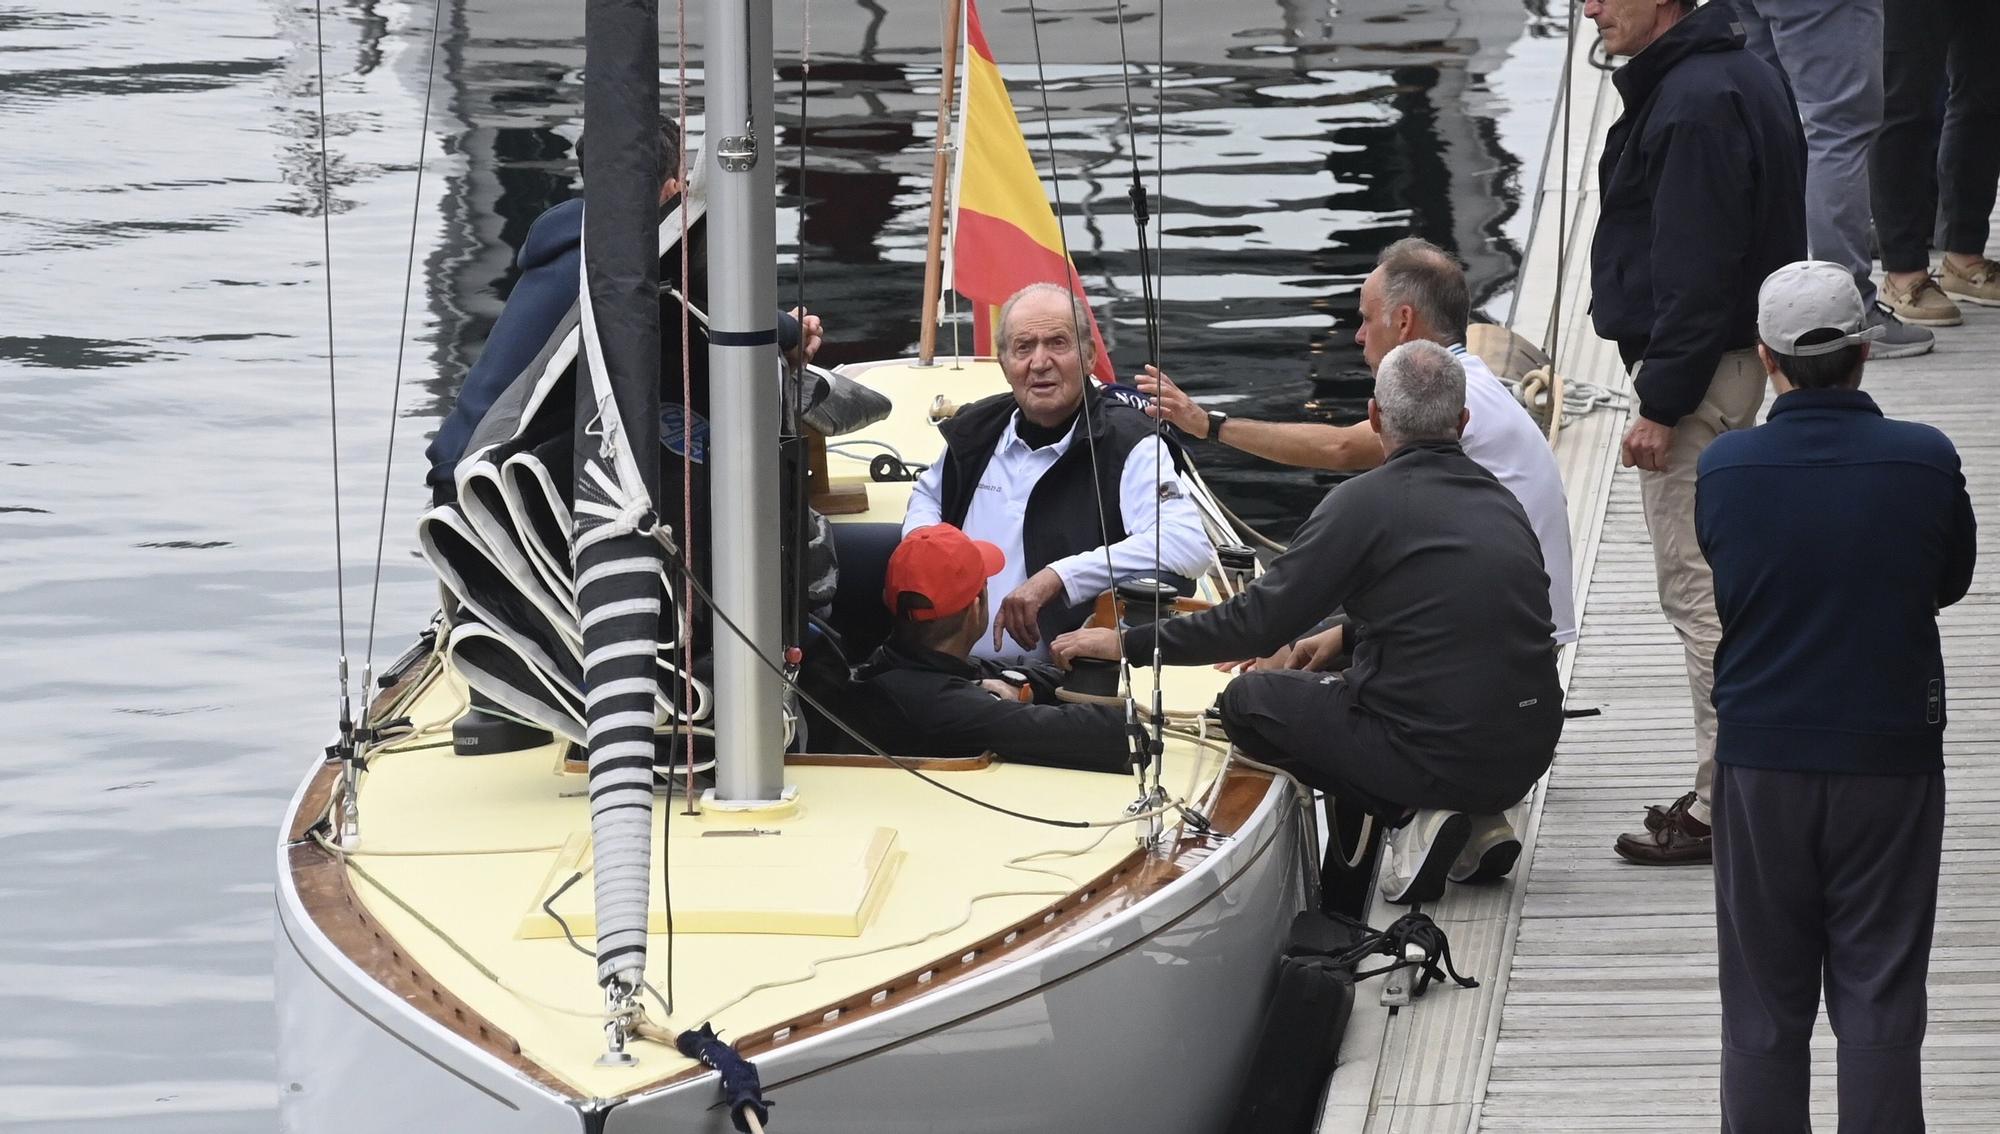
(1672, 838)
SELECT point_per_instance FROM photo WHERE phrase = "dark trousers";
(1307, 724)
(1824, 879)
(1938, 153)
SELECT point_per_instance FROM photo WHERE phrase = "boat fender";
(1297, 1047)
(741, 1092)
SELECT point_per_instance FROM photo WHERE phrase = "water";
(168, 629)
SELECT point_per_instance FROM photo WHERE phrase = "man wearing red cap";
(924, 694)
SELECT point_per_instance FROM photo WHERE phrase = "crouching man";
(1452, 706)
(1835, 535)
(924, 694)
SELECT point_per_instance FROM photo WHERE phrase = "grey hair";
(1079, 315)
(1424, 277)
(1420, 390)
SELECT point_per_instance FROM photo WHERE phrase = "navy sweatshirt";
(1447, 615)
(1836, 534)
(1703, 195)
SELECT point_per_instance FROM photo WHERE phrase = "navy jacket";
(543, 294)
(1703, 195)
(547, 288)
(1836, 534)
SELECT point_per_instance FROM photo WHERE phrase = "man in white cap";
(1835, 535)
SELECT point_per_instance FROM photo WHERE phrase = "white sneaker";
(1491, 849)
(1421, 855)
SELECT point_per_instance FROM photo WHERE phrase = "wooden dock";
(1598, 1008)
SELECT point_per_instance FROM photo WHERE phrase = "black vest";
(1064, 509)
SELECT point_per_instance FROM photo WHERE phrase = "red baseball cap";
(938, 571)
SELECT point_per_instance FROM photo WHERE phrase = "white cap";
(1808, 296)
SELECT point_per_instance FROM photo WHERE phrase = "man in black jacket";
(1703, 195)
(1452, 705)
(923, 694)
(1836, 535)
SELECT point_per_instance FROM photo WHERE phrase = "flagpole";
(940, 181)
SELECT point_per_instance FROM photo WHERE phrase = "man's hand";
(1089, 642)
(1176, 407)
(810, 336)
(1318, 651)
(1016, 616)
(1646, 444)
(1280, 658)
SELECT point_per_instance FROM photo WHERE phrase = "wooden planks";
(1611, 1020)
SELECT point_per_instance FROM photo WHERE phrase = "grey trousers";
(1687, 589)
(1831, 53)
(1824, 879)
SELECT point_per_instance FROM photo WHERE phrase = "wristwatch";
(1215, 420)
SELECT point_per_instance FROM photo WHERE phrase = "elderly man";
(1836, 534)
(1075, 489)
(1452, 706)
(1703, 195)
(1415, 292)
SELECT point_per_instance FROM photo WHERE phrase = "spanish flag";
(1005, 235)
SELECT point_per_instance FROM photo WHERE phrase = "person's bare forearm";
(1306, 444)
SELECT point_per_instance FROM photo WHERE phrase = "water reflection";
(167, 629)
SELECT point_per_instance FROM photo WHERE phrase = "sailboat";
(507, 942)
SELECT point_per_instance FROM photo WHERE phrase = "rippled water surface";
(168, 624)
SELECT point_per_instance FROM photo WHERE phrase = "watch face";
(1014, 676)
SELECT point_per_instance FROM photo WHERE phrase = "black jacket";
(920, 703)
(1071, 509)
(1836, 535)
(1447, 614)
(1703, 195)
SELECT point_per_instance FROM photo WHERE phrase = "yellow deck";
(474, 843)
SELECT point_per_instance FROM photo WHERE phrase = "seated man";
(1452, 705)
(1072, 486)
(923, 694)
(1415, 292)
(544, 293)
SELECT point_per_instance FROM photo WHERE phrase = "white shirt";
(999, 511)
(1507, 443)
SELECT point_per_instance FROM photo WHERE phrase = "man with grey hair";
(1451, 707)
(1076, 489)
(1417, 292)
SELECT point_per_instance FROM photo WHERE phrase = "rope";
(402, 341)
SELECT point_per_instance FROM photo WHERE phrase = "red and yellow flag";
(1005, 235)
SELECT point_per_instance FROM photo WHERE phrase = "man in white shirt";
(1415, 292)
(1076, 489)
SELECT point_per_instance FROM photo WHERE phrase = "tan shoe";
(1978, 284)
(1925, 305)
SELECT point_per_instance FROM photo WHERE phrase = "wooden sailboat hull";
(1144, 1022)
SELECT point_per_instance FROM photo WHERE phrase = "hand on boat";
(1646, 444)
(1018, 611)
(1089, 642)
(810, 334)
(1178, 409)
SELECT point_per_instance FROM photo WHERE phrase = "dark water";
(168, 628)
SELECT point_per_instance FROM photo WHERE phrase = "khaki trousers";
(1687, 589)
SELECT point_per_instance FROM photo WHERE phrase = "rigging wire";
(687, 395)
(1074, 284)
(402, 341)
(1562, 199)
(332, 387)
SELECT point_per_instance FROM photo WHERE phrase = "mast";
(940, 180)
(617, 560)
(744, 404)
